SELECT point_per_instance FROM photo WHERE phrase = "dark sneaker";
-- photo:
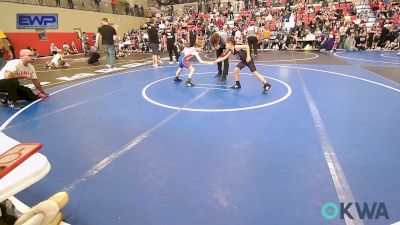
(177, 79)
(16, 105)
(189, 84)
(223, 79)
(267, 86)
(236, 86)
(3, 98)
(218, 76)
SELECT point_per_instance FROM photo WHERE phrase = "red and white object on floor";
(21, 164)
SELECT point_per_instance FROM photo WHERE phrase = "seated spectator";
(350, 43)
(293, 41)
(376, 39)
(58, 61)
(53, 49)
(66, 49)
(13, 73)
(284, 41)
(310, 38)
(394, 45)
(361, 41)
(337, 41)
(94, 56)
(265, 37)
(387, 45)
(328, 44)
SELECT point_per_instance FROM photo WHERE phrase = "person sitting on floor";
(66, 49)
(58, 61)
(53, 48)
(350, 43)
(328, 44)
(11, 77)
(94, 56)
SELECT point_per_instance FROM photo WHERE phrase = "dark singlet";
(241, 55)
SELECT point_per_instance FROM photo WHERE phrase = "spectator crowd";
(325, 27)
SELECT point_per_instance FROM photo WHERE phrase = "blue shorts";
(183, 61)
(155, 48)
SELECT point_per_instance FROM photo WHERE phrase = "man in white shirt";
(10, 80)
(252, 40)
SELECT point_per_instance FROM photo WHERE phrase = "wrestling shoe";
(266, 88)
(177, 79)
(189, 84)
(236, 86)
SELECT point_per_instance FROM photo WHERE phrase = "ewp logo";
(331, 211)
(37, 21)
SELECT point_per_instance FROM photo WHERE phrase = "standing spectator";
(154, 42)
(108, 36)
(71, 4)
(142, 11)
(127, 8)
(192, 37)
(10, 76)
(84, 39)
(97, 3)
(238, 35)
(113, 4)
(58, 3)
(170, 38)
(85, 43)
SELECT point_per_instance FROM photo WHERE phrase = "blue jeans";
(110, 54)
